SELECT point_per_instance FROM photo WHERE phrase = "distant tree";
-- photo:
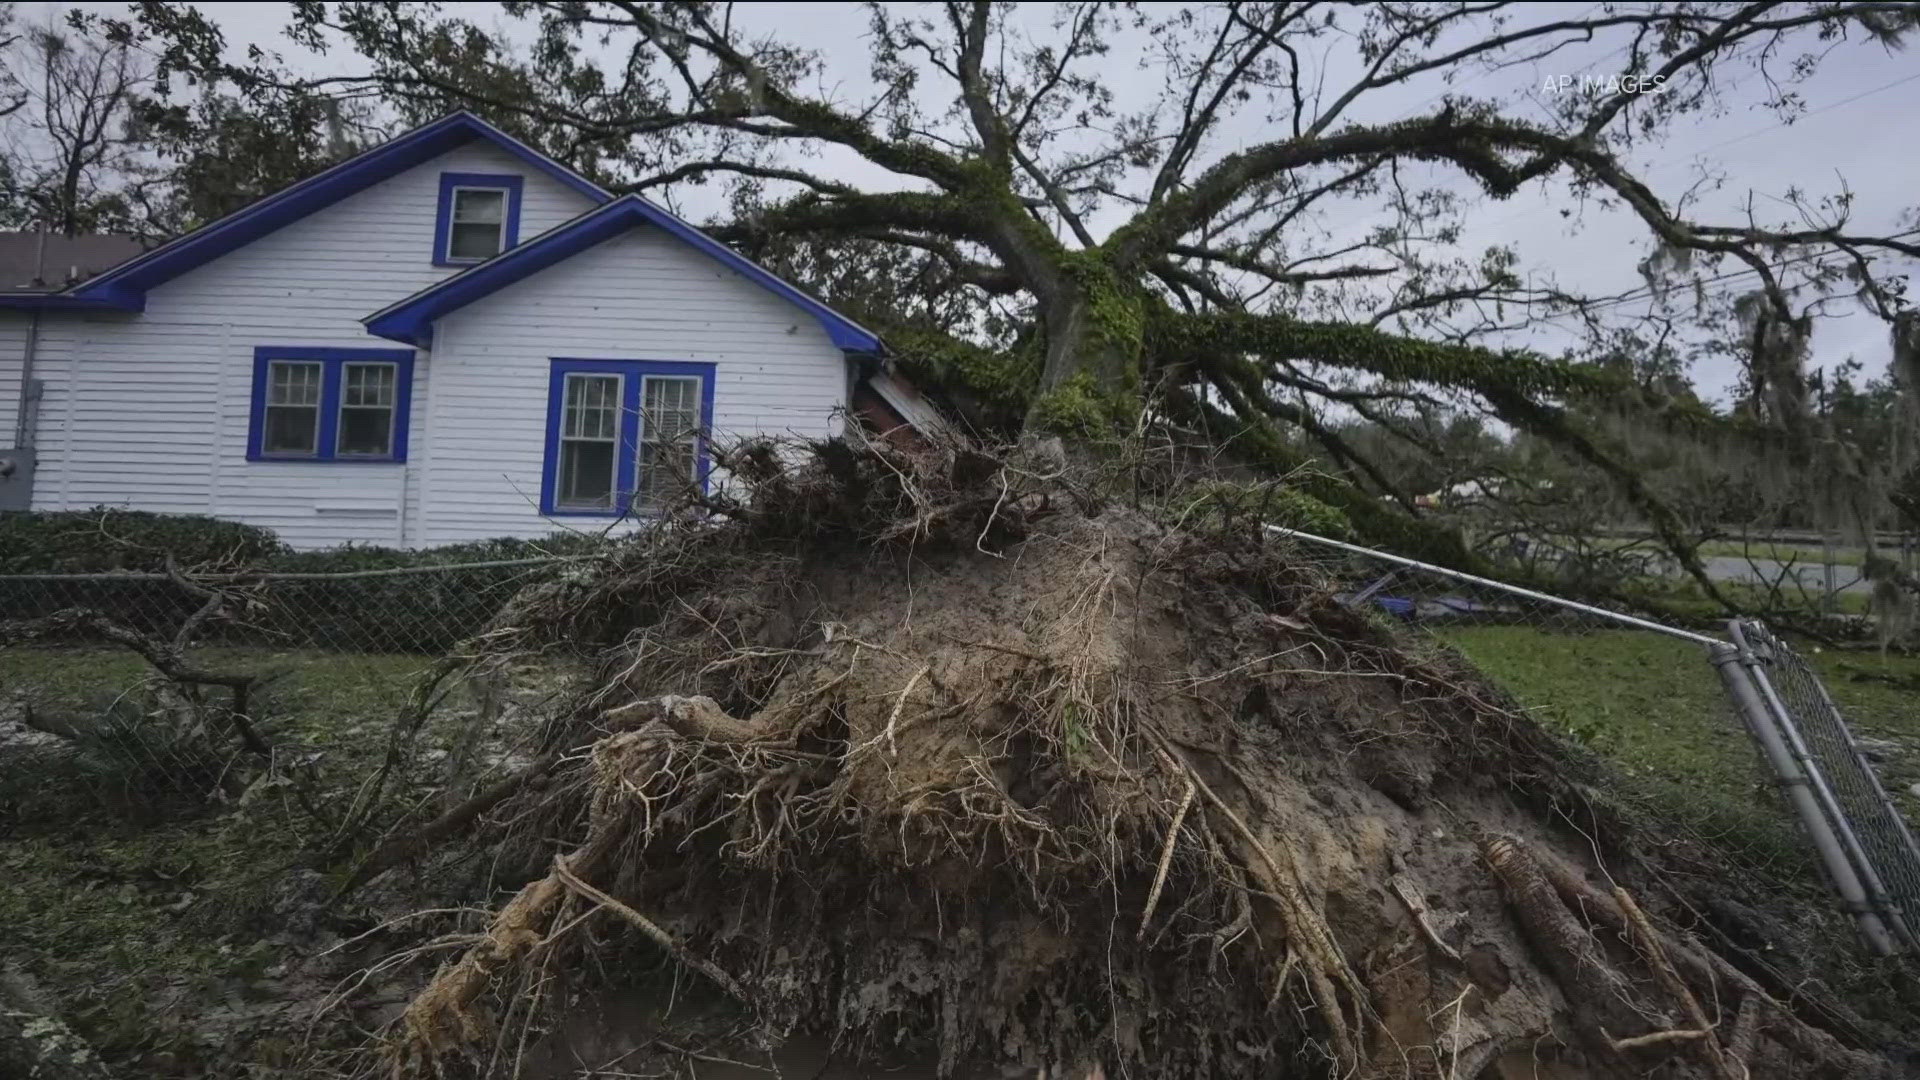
(219, 152)
(64, 137)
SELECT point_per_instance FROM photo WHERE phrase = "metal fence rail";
(1869, 828)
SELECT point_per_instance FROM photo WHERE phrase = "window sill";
(464, 263)
(288, 459)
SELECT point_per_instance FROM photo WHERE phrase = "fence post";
(1732, 664)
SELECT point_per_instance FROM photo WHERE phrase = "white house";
(449, 337)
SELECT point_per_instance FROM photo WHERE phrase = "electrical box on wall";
(16, 479)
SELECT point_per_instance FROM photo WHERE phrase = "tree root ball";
(1021, 784)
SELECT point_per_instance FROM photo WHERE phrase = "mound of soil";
(914, 758)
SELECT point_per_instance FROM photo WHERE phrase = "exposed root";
(1656, 952)
(1596, 993)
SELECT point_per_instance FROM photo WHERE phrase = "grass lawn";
(117, 904)
(1800, 554)
(312, 687)
(1654, 706)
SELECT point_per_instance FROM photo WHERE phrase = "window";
(479, 217)
(368, 393)
(479, 223)
(293, 408)
(625, 436)
(669, 438)
(589, 442)
(322, 404)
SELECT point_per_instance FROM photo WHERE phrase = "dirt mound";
(919, 753)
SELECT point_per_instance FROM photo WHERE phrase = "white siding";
(150, 411)
(639, 296)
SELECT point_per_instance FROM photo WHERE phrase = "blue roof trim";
(124, 287)
(411, 320)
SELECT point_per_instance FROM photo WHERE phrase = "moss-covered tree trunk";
(1090, 384)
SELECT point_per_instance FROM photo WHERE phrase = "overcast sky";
(1862, 128)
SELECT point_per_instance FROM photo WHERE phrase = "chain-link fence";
(148, 694)
(142, 692)
(410, 609)
(1860, 821)
(1646, 696)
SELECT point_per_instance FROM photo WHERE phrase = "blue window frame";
(479, 217)
(323, 404)
(624, 436)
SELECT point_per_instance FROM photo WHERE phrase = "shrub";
(103, 540)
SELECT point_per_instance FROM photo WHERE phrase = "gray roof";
(63, 261)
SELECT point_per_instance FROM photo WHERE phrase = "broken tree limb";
(168, 658)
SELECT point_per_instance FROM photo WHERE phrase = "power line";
(1815, 112)
(1648, 292)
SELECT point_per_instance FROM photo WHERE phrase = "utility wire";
(1647, 292)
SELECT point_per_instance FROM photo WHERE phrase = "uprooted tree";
(1070, 253)
(937, 760)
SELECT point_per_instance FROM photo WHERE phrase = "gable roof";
(411, 320)
(125, 286)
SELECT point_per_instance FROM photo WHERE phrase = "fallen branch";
(168, 658)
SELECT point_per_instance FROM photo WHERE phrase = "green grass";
(1683, 598)
(120, 909)
(1654, 706)
(1800, 554)
(1779, 551)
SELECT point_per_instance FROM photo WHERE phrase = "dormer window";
(479, 218)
